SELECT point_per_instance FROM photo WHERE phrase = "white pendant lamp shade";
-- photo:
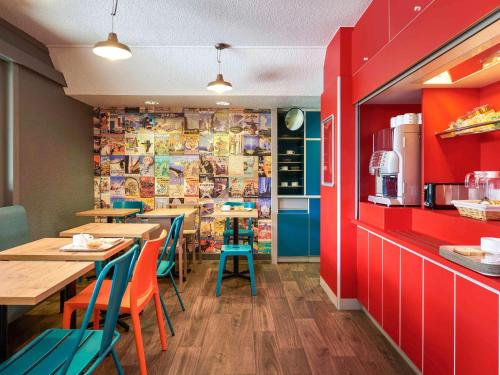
(112, 49)
(219, 85)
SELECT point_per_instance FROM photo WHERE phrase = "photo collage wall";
(197, 156)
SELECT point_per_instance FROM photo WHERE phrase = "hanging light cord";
(114, 7)
(219, 62)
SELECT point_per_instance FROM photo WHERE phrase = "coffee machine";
(396, 165)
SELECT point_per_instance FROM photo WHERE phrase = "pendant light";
(219, 85)
(111, 48)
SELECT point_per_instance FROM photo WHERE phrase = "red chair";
(140, 290)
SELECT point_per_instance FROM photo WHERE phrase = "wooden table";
(165, 217)
(109, 213)
(49, 249)
(235, 215)
(30, 282)
(129, 230)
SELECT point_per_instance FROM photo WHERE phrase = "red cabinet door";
(476, 329)
(375, 277)
(362, 267)
(391, 264)
(402, 12)
(438, 320)
(371, 33)
(411, 306)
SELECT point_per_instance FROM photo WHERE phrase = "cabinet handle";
(365, 58)
(417, 8)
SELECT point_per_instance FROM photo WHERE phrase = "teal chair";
(129, 204)
(242, 233)
(238, 251)
(78, 351)
(166, 264)
(14, 232)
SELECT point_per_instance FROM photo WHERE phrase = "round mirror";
(294, 119)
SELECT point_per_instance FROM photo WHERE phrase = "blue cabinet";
(293, 233)
(313, 124)
(314, 223)
(313, 167)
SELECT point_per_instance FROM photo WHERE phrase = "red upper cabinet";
(477, 334)
(402, 12)
(370, 34)
(362, 267)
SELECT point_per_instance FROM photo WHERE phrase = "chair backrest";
(144, 276)
(130, 204)
(13, 227)
(120, 267)
(171, 242)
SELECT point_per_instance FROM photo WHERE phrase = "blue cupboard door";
(314, 223)
(313, 124)
(293, 233)
(313, 167)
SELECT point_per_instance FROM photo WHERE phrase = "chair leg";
(97, 318)
(139, 345)
(118, 365)
(165, 312)
(222, 265)
(67, 313)
(176, 291)
(252, 276)
(159, 319)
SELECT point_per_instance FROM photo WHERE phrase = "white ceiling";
(278, 53)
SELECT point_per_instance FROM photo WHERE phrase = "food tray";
(470, 262)
(107, 243)
(476, 210)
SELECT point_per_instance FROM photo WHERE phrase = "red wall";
(490, 145)
(338, 64)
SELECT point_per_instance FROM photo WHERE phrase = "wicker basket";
(478, 211)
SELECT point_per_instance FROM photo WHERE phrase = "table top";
(168, 212)
(128, 230)
(109, 212)
(49, 249)
(30, 282)
(235, 214)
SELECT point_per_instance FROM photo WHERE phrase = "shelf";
(470, 129)
(293, 187)
(290, 154)
(290, 170)
(290, 162)
(291, 138)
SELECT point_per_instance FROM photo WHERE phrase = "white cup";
(82, 239)
(284, 168)
(284, 183)
(295, 183)
(290, 152)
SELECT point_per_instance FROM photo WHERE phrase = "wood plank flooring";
(290, 327)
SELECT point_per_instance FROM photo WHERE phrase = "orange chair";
(141, 289)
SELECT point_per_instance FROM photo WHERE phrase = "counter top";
(428, 247)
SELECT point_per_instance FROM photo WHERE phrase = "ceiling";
(277, 55)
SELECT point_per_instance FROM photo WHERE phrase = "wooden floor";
(290, 327)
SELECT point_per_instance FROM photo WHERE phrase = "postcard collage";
(197, 156)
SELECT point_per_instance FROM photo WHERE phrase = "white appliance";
(396, 165)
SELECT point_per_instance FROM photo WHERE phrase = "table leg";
(236, 240)
(109, 219)
(69, 292)
(4, 324)
(180, 249)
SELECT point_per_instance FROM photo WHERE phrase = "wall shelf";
(484, 127)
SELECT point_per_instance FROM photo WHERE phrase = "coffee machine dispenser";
(395, 163)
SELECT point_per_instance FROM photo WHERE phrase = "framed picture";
(327, 151)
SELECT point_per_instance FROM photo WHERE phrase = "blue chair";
(242, 233)
(166, 264)
(76, 351)
(129, 204)
(235, 250)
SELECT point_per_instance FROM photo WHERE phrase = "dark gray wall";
(54, 155)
